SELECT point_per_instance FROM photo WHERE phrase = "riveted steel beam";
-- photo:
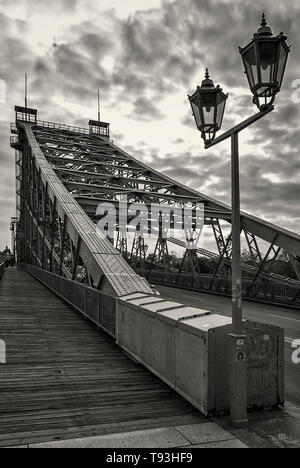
(67, 173)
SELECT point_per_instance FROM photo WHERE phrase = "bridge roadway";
(284, 317)
(64, 379)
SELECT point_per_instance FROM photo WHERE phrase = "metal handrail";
(58, 126)
(14, 140)
(93, 304)
(275, 293)
(69, 128)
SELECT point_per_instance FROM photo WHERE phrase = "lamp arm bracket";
(241, 126)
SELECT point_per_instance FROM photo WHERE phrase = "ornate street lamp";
(208, 106)
(265, 59)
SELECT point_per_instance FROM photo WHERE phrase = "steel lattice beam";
(95, 254)
(63, 173)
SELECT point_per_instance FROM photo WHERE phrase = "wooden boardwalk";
(64, 379)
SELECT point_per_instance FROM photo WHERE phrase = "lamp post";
(264, 59)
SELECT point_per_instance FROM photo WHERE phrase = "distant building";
(5, 255)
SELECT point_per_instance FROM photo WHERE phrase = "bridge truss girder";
(65, 174)
(57, 233)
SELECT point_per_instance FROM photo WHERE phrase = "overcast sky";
(145, 56)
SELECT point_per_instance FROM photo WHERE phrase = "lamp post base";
(239, 424)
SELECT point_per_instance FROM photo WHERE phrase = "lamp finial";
(263, 20)
(207, 79)
(264, 29)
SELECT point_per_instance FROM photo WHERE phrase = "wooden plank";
(64, 379)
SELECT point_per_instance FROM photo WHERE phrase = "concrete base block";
(189, 349)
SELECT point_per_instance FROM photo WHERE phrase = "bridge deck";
(64, 379)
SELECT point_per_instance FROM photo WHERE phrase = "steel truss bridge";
(63, 173)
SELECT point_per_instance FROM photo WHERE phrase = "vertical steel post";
(99, 117)
(238, 386)
(26, 90)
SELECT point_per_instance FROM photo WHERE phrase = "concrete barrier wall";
(188, 348)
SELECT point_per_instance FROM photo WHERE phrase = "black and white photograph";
(149, 227)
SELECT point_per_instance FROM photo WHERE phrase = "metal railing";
(68, 128)
(270, 292)
(2, 268)
(58, 126)
(245, 266)
(14, 141)
(13, 128)
(54, 126)
(93, 304)
(26, 116)
(72, 129)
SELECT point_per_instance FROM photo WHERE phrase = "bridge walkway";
(65, 379)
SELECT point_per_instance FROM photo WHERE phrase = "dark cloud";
(146, 110)
(158, 54)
